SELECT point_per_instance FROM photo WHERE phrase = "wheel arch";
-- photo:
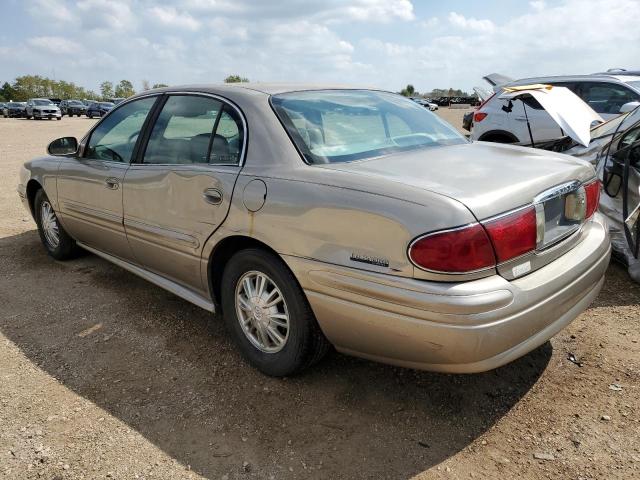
(222, 253)
(486, 136)
(33, 186)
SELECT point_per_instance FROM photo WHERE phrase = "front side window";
(607, 97)
(192, 130)
(345, 125)
(115, 137)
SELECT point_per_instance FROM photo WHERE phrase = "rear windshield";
(344, 125)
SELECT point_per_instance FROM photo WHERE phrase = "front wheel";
(55, 239)
(268, 315)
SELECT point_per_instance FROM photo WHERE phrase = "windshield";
(74, 102)
(14, 104)
(42, 102)
(344, 125)
(107, 105)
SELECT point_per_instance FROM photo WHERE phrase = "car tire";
(57, 242)
(301, 344)
(59, 118)
(90, 115)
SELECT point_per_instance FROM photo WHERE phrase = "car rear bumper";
(454, 327)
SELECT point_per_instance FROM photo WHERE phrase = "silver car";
(41, 108)
(319, 216)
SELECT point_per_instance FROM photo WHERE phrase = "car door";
(90, 184)
(180, 190)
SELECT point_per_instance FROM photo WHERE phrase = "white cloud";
(484, 26)
(57, 45)
(169, 16)
(538, 4)
(55, 10)
(106, 15)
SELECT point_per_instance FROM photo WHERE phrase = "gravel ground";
(104, 375)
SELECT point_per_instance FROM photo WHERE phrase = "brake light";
(461, 250)
(513, 234)
(592, 191)
(479, 116)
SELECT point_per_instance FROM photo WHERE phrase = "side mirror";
(629, 107)
(63, 146)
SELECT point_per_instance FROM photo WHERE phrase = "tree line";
(36, 86)
(410, 91)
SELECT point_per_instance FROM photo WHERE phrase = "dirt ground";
(103, 375)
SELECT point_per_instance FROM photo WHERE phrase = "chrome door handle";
(112, 183)
(212, 196)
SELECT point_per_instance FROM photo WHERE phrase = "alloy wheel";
(49, 224)
(262, 312)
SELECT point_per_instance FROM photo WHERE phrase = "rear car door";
(90, 184)
(179, 191)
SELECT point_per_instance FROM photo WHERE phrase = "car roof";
(266, 88)
(573, 78)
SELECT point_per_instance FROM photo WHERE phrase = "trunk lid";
(488, 178)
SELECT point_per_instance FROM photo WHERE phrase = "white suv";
(604, 93)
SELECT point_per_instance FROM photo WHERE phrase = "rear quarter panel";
(338, 225)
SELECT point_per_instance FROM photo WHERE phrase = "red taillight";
(513, 234)
(461, 250)
(479, 116)
(592, 191)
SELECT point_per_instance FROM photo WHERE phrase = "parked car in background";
(425, 103)
(56, 101)
(115, 100)
(98, 109)
(14, 110)
(352, 217)
(41, 108)
(2, 106)
(498, 121)
(72, 107)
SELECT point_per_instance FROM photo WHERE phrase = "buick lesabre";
(314, 216)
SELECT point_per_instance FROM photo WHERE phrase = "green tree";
(106, 89)
(408, 91)
(7, 91)
(159, 85)
(235, 79)
(124, 89)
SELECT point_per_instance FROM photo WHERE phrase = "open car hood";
(571, 114)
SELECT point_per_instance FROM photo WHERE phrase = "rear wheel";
(268, 315)
(55, 239)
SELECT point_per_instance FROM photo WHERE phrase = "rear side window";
(607, 97)
(195, 130)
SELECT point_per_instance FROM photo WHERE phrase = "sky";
(381, 43)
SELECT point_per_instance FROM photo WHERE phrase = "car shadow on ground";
(161, 366)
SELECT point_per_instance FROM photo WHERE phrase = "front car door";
(90, 185)
(180, 190)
